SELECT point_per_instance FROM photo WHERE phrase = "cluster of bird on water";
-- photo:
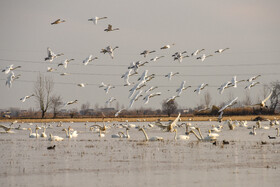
(171, 126)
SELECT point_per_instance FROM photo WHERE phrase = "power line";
(116, 85)
(157, 75)
(161, 66)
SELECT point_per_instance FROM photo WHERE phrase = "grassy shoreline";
(147, 119)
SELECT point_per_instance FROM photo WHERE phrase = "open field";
(193, 118)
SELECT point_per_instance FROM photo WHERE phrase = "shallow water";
(92, 161)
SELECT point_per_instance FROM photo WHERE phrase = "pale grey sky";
(249, 28)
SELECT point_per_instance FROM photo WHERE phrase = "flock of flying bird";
(135, 92)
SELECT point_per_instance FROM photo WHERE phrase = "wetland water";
(92, 161)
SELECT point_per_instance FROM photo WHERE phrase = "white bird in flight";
(11, 77)
(135, 98)
(200, 87)
(63, 74)
(231, 103)
(203, 57)
(150, 89)
(234, 82)
(197, 51)
(89, 59)
(166, 46)
(146, 52)
(179, 56)
(135, 65)
(102, 84)
(110, 101)
(82, 85)
(223, 87)
(170, 75)
(147, 97)
(137, 86)
(95, 19)
(253, 78)
(156, 58)
(71, 102)
(221, 50)
(65, 63)
(143, 76)
(108, 88)
(262, 103)
(50, 69)
(172, 98)
(252, 84)
(51, 55)
(182, 88)
(109, 50)
(23, 99)
(126, 77)
(10, 68)
(118, 112)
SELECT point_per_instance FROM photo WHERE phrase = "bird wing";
(267, 97)
(233, 101)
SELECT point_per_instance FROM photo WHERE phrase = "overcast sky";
(249, 28)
